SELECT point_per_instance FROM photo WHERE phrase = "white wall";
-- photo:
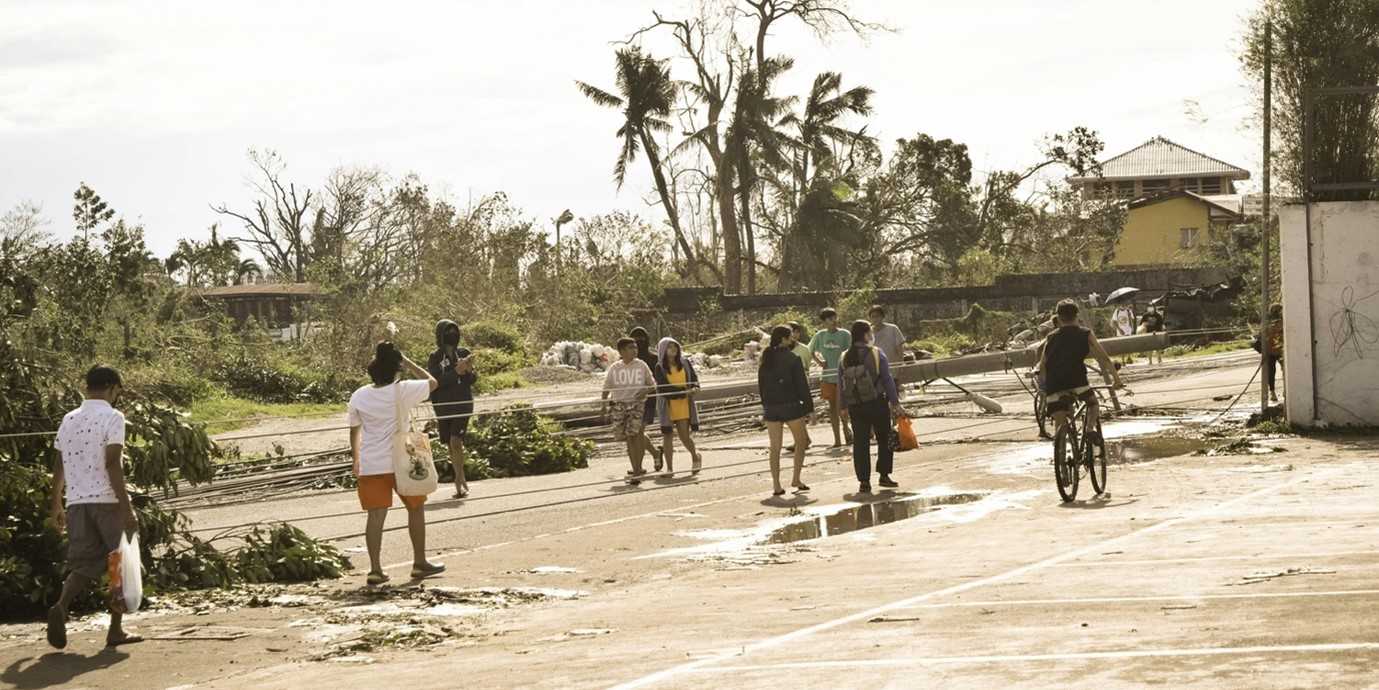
(1331, 313)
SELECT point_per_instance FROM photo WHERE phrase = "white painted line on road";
(1207, 559)
(1292, 523)
(1070, 656)
(1166, 597)
(779, 640)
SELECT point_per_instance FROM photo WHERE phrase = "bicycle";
(1041, 398)
(1073, 451)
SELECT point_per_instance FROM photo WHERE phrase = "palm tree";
(754, 140)
(246, 268)
(816, 128)
(189, 256)
(647, 94)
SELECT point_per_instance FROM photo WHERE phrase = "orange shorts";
(828, 391)
(376, 491)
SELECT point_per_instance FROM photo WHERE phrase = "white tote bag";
(413, 467)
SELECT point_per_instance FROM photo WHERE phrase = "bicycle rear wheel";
(1065, 462)
(1095, 454)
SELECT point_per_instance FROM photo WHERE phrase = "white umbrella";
(1120, 294)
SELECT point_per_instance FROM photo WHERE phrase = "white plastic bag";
(127, 574)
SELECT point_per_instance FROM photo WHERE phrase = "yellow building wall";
(1152, 234)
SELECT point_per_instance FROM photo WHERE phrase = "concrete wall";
(1010, 292)
(1331, 313)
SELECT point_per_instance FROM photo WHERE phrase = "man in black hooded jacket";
(453, 367)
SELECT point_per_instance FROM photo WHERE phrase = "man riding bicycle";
(1062, 365)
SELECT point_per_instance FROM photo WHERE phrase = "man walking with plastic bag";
(98, 514)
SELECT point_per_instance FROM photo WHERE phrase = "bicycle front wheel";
(1065, 462)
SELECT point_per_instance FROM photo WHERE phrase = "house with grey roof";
(1157, 166)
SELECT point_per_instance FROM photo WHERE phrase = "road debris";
(1259, 577)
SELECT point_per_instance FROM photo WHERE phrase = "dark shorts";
(787, 412)
(1062, 401)
(93, 531)
(452, 428)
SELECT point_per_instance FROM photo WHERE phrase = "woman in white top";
(373, 420)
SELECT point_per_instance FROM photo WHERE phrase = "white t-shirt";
(375, 409)
(888, 337)
(1124, 321)
(82, 438)
(629, 382)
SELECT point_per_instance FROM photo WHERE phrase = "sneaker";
(887, 482)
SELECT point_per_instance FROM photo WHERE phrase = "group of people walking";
(643, 387)
(856, 383)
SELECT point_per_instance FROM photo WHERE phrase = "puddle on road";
(1145, 449)
(863, 516)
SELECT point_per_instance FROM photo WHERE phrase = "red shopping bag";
(908, 440)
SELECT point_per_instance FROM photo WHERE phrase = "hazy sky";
(154, 104)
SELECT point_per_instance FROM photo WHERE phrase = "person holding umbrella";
(1123, 318)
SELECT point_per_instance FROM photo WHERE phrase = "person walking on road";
(865, 386)
(373, 421)
(799, 346)
(453, 399)
(887, 336)
(645, 354)
(1273, 338)
(676, 384)
(1123, 324)
(1152, 322)
(89, 470)
(786, 401)
(827, 347)
(626, 388)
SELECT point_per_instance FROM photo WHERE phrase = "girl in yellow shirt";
(676, 383)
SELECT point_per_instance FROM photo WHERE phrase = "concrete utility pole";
(1268, 221)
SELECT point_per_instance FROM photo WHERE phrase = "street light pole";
(564, 217)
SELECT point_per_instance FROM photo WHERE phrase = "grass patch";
(222, 414)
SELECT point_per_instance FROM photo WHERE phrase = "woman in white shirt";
(373, 421)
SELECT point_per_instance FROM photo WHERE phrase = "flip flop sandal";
(698, 464)
(801, 488)
(428, 571)
(127, 639)
(779, 492)
(377, 578)
(57, 627)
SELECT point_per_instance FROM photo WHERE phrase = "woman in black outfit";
(785, 401)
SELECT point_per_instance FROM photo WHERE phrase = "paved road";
(1245, 570)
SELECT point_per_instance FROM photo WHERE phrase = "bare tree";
(277, 226)
(24, 227)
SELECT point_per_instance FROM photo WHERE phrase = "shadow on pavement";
(794, 501)
(1099, 503)
(57, 669)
